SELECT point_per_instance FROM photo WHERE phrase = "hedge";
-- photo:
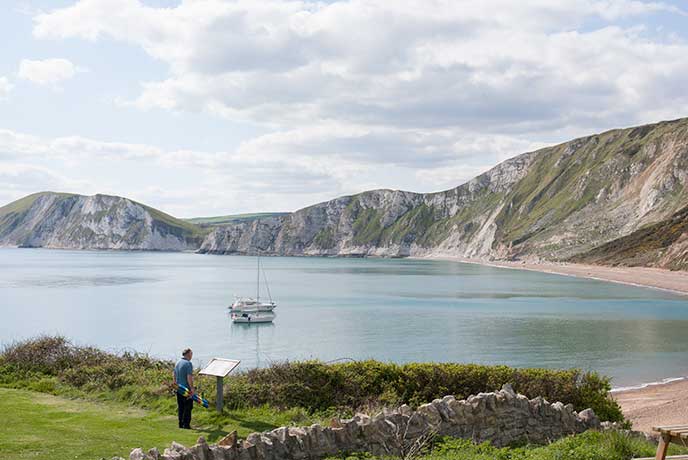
(311, 385)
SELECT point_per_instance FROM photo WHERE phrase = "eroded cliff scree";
(501, 417)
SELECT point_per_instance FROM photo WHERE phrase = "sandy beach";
(667, 280)
(662, 404)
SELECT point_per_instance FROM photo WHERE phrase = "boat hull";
(255, 317)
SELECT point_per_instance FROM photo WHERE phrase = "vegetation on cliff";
(233, 218)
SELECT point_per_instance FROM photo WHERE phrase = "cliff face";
(550, 204)
(58, 220)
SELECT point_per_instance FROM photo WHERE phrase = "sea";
(339, 309)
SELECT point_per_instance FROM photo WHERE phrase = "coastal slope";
(68, 221)
(616, 198)
(660, 245)
(551, 204)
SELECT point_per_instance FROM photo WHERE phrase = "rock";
(508, 390)
(177, 452)
(405, 409)
(589, 418)
(230, 440)
(431, 414)
(138, 454)
(201, 451)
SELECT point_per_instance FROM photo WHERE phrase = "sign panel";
(220, 367)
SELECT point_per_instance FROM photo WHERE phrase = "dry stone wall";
(502, 417)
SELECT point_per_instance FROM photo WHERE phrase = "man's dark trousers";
(184, 408)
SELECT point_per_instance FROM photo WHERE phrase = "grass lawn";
(41, 426)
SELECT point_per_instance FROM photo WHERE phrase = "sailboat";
(250, 310)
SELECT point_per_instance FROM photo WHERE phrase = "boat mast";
(258, 279)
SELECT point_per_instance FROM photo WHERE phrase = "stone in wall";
(502, 417)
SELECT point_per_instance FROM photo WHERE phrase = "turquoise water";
(392, 310)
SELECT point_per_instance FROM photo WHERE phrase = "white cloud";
(278, 171)
(414, 94)
(47, 71)
(5, 87)
(492, 66)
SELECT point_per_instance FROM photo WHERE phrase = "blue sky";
(203, 107)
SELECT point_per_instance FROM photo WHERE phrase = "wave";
(650, 384)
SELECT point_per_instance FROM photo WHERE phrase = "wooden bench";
(678, 434)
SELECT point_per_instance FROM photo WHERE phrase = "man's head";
(187, 354)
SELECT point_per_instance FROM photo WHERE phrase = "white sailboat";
(250, 310)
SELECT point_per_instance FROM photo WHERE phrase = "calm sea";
(391, 310)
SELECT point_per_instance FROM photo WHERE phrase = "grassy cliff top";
(233, 218)
(23, 204)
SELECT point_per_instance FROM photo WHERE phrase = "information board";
(220, 367)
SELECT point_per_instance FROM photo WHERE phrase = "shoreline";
(643, 386)
(675, 282)
(655, 404)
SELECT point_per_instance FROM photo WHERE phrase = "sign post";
(220, 368)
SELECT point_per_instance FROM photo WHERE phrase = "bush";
(610, 445)
(45, 363)
(318, 386)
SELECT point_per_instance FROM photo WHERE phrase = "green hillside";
(23, 204)
(233, 218)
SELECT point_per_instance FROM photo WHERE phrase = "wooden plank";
(680, 439)
(668, 427)
(662, 447)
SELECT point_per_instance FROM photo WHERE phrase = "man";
(183, 375)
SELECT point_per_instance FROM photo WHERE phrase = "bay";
(398, 310)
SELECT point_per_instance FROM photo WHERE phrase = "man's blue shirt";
(183, 369)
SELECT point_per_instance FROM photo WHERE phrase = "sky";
(213, 107)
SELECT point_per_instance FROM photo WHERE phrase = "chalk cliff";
(60, 220)
(556, 203)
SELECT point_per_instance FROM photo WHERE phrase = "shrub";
(45, 363)
(611, 445)
(318, 386)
